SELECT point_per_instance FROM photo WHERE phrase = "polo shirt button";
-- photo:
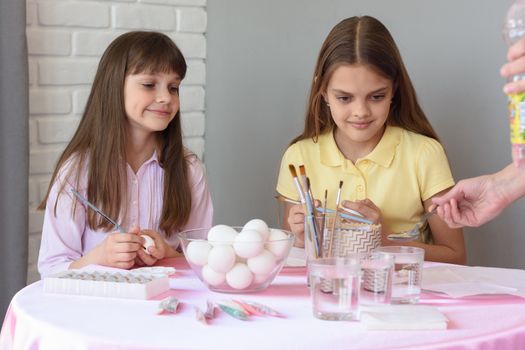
(359, 188)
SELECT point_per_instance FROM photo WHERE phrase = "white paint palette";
(130, 285)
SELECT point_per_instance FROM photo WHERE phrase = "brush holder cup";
(341, 238)
(338, 239)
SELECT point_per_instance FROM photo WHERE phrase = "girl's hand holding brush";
(366, 208)
(370, 211)
(116, 250)
(296, 217)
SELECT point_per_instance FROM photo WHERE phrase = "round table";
(36, 320)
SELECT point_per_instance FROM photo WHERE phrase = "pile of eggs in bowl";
(239, 257)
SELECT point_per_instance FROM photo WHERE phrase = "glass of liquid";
(408, 273)
(334, 287)
(376, 278)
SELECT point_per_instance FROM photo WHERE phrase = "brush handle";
(97, 210)
(312, 236)
(346, 216)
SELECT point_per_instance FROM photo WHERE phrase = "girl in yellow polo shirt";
(364, 126)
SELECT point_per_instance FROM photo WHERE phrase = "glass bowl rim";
(183, 235)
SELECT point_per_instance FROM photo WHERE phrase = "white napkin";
(461, 281)
(402, 317)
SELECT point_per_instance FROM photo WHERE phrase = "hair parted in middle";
(101, 136)
(363, 41)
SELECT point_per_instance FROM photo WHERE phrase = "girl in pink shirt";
(128, 159)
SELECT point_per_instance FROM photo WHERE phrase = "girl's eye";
(343, 98)
(378, 97)
(148, 85)
(174, 90)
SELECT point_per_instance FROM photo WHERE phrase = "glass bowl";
(236, 261)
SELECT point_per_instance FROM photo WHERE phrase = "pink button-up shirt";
(66, 238)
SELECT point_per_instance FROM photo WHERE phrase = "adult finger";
(516, 50)
(449, 220)
(514, 87)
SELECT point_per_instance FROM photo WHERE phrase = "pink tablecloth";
(39, 321)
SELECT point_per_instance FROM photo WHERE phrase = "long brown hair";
(100, 138)
(363, 40)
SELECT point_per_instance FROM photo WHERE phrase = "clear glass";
(275, 251)
(408, 272)
(335, 287)
(376, 278)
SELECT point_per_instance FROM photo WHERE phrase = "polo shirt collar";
(382, 154)
(329, 152)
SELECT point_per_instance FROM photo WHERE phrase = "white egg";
(259, 226)
(148, 242)
(262, 264)
(221, 234)
(214, 278)
(197, 252)
(280, 247)
(248, 243)
(239, 276)
(221, 258)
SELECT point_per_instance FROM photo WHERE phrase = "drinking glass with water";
(334, 287)
(408, 270)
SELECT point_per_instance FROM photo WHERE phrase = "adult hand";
(472, 202)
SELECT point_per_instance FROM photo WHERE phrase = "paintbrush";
(302, 172)
(296, 183)
(315, 224)
(337, 202)
(97, 210)
(323, 217)
(343, 212)
(302, 196)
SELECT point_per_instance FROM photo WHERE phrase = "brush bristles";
(340, 184)
(302, 170)
(292, 170)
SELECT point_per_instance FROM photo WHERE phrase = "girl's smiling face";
(359, 100)
(151, 100)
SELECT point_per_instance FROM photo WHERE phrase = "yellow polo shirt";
(402, 171)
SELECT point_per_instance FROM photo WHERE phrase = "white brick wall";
(65, 41)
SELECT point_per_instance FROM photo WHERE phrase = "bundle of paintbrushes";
(313, 236)
(321, 233)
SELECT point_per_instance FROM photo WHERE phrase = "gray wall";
(261, 56)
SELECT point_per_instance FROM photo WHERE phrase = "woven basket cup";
(350, 237)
